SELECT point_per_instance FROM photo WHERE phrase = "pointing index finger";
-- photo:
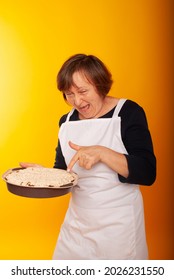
(72, 162)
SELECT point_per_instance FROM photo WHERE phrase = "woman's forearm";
(115, 161)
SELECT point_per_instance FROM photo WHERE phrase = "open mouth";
(84, 108)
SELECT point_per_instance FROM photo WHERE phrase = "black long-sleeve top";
(137, 141)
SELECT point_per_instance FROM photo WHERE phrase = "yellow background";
(133, 38)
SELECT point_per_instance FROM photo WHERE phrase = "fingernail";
(68, 170)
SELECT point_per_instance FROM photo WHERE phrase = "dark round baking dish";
(36, 192)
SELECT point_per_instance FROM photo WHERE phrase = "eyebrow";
(79, 88)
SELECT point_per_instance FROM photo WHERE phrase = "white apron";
(105, 218)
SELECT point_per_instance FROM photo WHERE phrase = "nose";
(77, 100)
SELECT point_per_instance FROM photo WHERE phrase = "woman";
(106, 141)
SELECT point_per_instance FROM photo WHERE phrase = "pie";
(40, 177)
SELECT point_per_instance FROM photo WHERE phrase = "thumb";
(74, 146)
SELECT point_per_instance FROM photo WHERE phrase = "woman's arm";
(88, 156)
(29, 164)
(59, 159)
(138, 143)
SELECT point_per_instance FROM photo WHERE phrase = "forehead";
(79, 79)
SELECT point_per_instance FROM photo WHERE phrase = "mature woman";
(106, 141)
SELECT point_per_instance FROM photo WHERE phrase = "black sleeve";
(59, 159)
(137, 140)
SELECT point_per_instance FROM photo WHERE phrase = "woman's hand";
(29, 164)
(88, 156)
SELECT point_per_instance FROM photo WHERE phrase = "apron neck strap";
(69, 115)
(119, 106)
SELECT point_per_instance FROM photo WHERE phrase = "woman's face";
(84, 97)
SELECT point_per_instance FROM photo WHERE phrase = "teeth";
(84, 107)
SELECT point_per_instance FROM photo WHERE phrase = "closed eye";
(69, 93)
(82, 91)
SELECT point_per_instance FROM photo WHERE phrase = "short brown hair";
(94, 69)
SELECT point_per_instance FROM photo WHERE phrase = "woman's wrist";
(114, 160)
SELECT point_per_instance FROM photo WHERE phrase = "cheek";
(69, 101)
(98, 102)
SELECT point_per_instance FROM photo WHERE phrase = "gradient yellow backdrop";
(134, 39)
